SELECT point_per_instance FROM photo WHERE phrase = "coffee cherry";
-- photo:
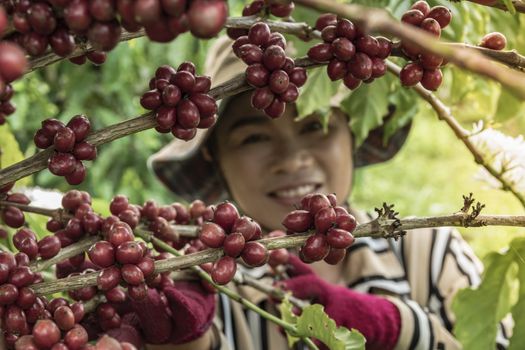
(432, 79)
(8, 294)
(290, 95)
(275, 109)
(48, 247)
(202, 84)
(324, 20)
(279, 81)
(345, 28)
(183, 134)
(78, 175)
(413, 17)
(51, 126)
(335, 256)
(132, 274)
(254, 254)
(259, 34)
(274, 57)
(64, 140)
(250, 54)
(118, 204)
(102, 254)
(324, 219)
(207, 17)
(431, 26)
(378, 67)
(61, 164)
(385, 47)
(119, 233)
(298, 221)
(76, 337)
(64, 318)
(13, 217)
(129, 253)
(147, 266)
(243, 40)
(422, 6)
(298, 76)
(411, 74)
(441, 14)
(81, 127)
(339, 238)
(257, 75)
(360, 66)
(62, 42)
(316, 247)
(46, 333)
(278, 257)
(346, 222)
(494, 41)
(329, 34)
(262, 98)
(336, 69)
(223, 270)
(26, 342)
(104, 36)
(212, 235)
(234, 244)
(282, 10)
(97, 57)
(430, 61)
(276, 39)
(13, 62)
(151, 100)
(85, 151)
(321, 52)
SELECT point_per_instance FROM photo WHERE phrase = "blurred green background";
(428, 177)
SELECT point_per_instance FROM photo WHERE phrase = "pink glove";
(376, 318)
(187, 316)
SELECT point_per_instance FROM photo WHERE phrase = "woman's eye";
(312, 126)
(254, 138)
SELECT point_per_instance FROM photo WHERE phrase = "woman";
(397, 293)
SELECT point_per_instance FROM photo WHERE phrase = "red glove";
(187, 316)
(376, 318)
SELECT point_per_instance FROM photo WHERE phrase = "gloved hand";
(376, 318)
(185, 314)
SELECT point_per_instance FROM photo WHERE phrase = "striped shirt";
(420, 273)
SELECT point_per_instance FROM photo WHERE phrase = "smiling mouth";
(295, 192)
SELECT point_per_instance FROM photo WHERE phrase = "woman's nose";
(291, 159)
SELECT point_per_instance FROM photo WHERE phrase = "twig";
(518, 5)
(65, 253)
(445, 114)
(379, 20)
(372, 229)
(511, 58)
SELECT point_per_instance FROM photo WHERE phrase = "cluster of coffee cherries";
(180, 100)
(69, 145)
(332, 224)
(10, 215)
(31, 322)
(237, 236)
(424, 67)
(13, 64)
(274, 76)
(352, 55)
(258, 7)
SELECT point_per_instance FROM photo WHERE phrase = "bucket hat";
(183, 168)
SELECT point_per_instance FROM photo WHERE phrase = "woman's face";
(269, 165)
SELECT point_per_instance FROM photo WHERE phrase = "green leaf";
(510, 6)
(517, 341)
(406, 109)
(316, 94)
(314, 322)
(366, 107)
(508, 106)
(287, 315)
(492, 299)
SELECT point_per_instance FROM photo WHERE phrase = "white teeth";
(295, 192)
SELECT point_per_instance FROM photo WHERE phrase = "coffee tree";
(90, 256)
